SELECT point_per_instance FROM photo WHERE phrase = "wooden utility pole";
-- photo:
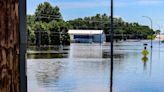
(11, 75)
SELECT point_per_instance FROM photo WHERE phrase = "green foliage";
(123, 30)
(30, 29)
(151, 37)
(41, 32)
(47, 13)
(46, 26)
(157, 31)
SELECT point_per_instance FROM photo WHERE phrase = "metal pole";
(111, 26)
(151, 29)
(159, 38)
(151, 33)
(159, 34)
(23, 45)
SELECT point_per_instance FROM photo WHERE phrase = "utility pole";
(23, 45)
(12, 45)
(111, 26)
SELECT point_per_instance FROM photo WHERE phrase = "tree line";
(47, 27)
(122, 29)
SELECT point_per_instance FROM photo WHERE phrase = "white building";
(87, 36)
(161, 37)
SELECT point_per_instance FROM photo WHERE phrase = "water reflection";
(117, 55)
(92, 51)
(48, 52)
(159, 55)
(48, 72)
(151, 62)
(80, 51)
(144, 60)
(81, 72)
(111, 75)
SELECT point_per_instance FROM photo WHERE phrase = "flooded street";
(87, 68)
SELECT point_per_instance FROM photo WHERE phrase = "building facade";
(87, 36)
(161, 37)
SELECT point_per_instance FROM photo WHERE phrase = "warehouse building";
(161, 37)
(87, 36)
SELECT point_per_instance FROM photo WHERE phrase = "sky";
(128, 10)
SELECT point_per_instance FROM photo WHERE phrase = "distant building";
(87, 36)
(161, 37)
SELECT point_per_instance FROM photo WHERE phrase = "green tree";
(54, 29)
(122, 30)
(42, 37)
(30, 29)
(47, 13)
(58, 33)
(157, 31)
(46, 26)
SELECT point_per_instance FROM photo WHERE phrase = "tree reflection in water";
(48, 72)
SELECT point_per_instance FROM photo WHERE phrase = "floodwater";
(87, 68)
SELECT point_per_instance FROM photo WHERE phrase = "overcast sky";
(129, 10)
